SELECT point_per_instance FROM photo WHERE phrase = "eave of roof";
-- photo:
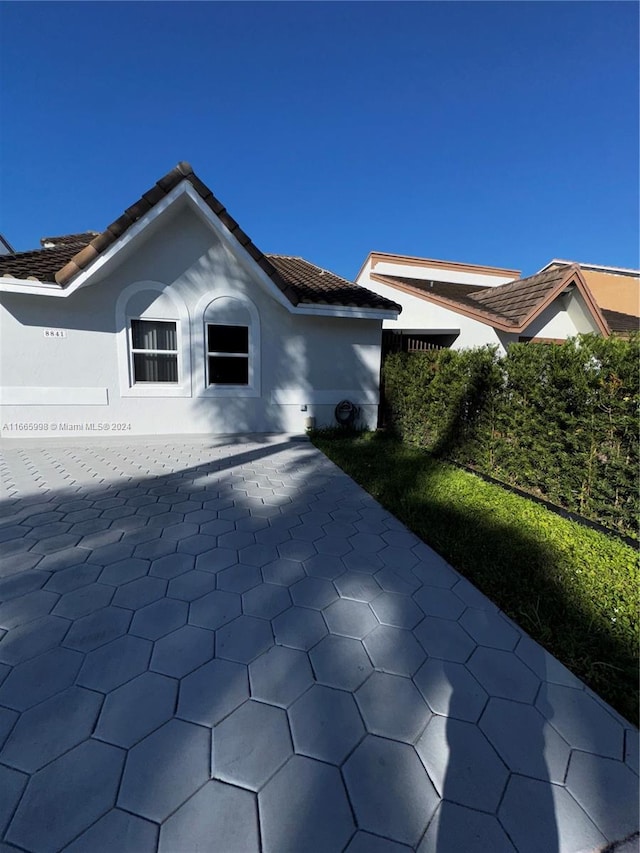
(510, 307)
(300, 282)
(454, 266)
(619, 322)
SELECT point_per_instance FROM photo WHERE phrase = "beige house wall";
(614, 292)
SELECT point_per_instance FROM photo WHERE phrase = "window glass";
(225, 370)
(155, 351)
(228, 338)
(227, 354)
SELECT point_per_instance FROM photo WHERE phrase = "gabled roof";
(510, 307)
(300, 281)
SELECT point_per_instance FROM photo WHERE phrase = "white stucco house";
(172, 321)
(448, 304)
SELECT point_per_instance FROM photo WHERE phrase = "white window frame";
(213, 353)
(175, 312)
(206, 312)
(133, 351)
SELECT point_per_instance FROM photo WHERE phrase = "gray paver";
(283, 571)
(444, 639)
(238, 578)
(316, 593)
(182, 651)
(123, 571)
(392, 707)
(171, 763)
(69, 579)
(435, 601)
(340, 662)
(66, 797)
(51, 728)
(136, 709)
(243, 639)
(18, 585)
(213, 813)
(310, 788)
(365, 842)
(216, 560)
(489, 629)
(581, 721)
(31, 640)
(120, 831)
(348, 618)
(115, 663)
(451, 690)
(394, 650)
(26, 608)
(250, 745)
(192, 585)
(456, 828)
(97, 629)
(398, 611)
(539, 816)
(608, 792)
(84, 600)
(160, 618)
(280, 675)
(215, 609)
(404, 816)
(325, 724)
(299, 628)
(172, 566)
(266, 601)
(292, 534)
(524, 740)
(212, 691)
(137, 594)
(358, 586)
(462, 764)
(39, 678)
(12, 785)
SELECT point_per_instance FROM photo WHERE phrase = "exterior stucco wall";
(421, 314)
(174, 272)
(616, 292)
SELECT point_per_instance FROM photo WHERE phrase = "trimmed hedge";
(558, 420)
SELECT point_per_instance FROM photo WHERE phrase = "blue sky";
(490, 133)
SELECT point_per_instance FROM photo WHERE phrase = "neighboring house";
(615, 289)
(447, 304)
(172, 321)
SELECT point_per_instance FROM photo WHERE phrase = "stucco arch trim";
(167, 305)
(205, 312)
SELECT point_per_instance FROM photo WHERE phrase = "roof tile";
(299, 280)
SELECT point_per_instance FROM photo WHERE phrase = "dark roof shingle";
(299, 280)
(507, 304)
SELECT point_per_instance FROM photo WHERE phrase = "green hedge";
(558, 420)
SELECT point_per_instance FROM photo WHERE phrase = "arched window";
(230, 354)
(153, 342)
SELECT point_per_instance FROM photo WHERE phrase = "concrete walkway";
(234, 648)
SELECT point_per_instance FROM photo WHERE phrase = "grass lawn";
(573, 589)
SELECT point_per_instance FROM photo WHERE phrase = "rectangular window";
(154, 348)
(227, 355)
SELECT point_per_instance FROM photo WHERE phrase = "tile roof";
(619, 322)
(508, 305)
(299, 280)
(82, 239)
(516, 300)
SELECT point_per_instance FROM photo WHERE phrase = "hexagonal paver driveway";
(233, 642)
